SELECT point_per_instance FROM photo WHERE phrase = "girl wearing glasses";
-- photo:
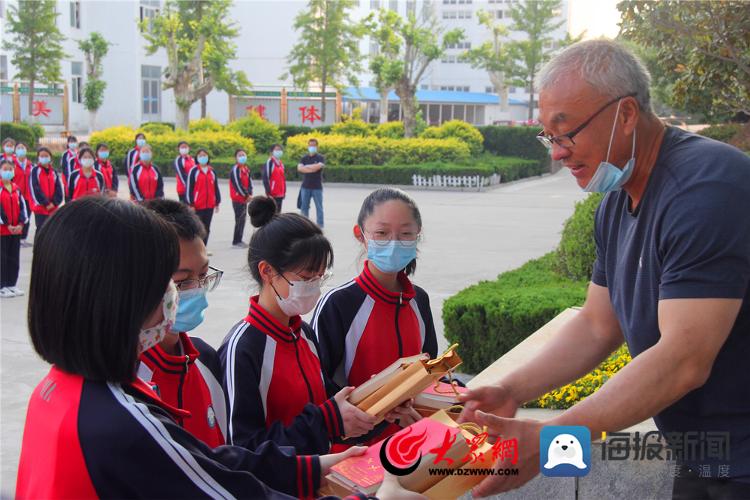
(184, 369)
(272, 376)
(378, 317)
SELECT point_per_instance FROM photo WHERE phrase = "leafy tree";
(492, 55)
(33, 38)
(386, 65)
(94, 48)
(198, 39)
(701, 48)
(327, 51)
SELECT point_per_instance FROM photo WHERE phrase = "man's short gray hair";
(606, 65)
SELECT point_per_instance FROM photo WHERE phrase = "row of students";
(14, 215)
(16, 153)
(96, 429)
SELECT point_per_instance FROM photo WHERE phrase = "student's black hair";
(274, 146)
(21, 143)
(99, 270)
(289, 242)
(9, 139)
(101, 145)
(43, 149)
(382, 195)
(139, 134)
(83, 144)
(312, 139)
(238, 151)
(181, 143)
(201, 150)
(86, 150)
(72, 138)
(9, 162)
(180, 216)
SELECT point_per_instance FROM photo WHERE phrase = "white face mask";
(149, 337)
(184, 151)
(303, 295)
(87, 162)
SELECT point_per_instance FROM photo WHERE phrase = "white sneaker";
(6, 293)
(16, 291)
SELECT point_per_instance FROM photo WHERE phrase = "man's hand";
(495, 399)
(527, 433)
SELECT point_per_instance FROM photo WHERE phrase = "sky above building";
(598, 17)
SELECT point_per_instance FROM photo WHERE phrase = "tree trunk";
(92, 120)
(323, 101)
(498, 82)
(203, 107)
(384, 106)
(182, 117)
(31, 100)
(531, 99)
(408, 106)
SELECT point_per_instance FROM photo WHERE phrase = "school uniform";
(46, 187)
(79, 185)
(146, 182)
(190, 381)
(111, 182)
(274, 385)
(132, 158)
(88, 439)
(182, 167)
(68, 163)
(8, 157)
(202, 192)
(13, 211)
(274, 180)
(21, 178)
(240, 187)
(362, 328)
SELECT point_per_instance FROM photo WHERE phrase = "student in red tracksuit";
(46, 188)
(69, 159)
(145, 180)
(274, 180)
(202, 191)
(272, 375)
(186, 369)
(183, 164)
(14, 214)
(9, 148)
(378, 317)
(133, 156)
(103, 165)
(23, 174)
(86, 180)
(240, 190)
(93, 428)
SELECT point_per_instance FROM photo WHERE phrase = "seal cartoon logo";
(400, 453)
(565, 451)
(211, 417)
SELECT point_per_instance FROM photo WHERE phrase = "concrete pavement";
(467, 237)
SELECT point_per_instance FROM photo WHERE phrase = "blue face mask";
(8, 150)
(72, 145)
(312, 149)
(146, 156)
(278, 154)
(140, 142)
(7, 175)
(391, 256)
(242, 160)
(190, 310)
(103, 155)
(203, 160)
(44, 160)
(21, 153)
(608, 177)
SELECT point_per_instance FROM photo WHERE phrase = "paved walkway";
(468, 237)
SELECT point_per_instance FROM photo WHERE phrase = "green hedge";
(721, 132)
(513, 141)
(29, 134)
(577, 250)
(460, 130)
(156, 128)
(492, 317)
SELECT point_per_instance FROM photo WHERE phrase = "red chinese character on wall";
(505, 448)
(309, 113)
(40, 108)
(260, 109)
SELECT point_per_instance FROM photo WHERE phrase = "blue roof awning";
(427, 96)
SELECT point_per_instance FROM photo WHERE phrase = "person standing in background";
(103, 165)
(240, 190)
(14, 213)
(311, 167)
(274, 180)
(69, 159)
(133, 155)
(145, 180)
(21, 179)
(203, 191)
(183, 164)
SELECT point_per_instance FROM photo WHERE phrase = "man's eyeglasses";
(566, 140)
(209, 282)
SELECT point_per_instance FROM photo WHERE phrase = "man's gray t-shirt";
(688, 238)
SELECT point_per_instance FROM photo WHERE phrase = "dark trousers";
(182, 197)
(205, 216)
(689, 486)
(279, 201)
(10, 256)
(25, 232)
(40, 219)
(240, 215)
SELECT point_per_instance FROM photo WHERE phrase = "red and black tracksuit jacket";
(132, 158)
(13, 209)
(87, 439)
(240, 183)
(146, 182)
(46, 187)
(273, 178)
(22, 176)
(362, 328)
(182, 167)
(68, 163)
(191, 382)
(111, 182)
(202, 190)
(274, 385)
(79, 185)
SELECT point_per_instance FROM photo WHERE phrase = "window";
(450, 59)
(421, 87)
(464, 14)
(499, 14)
(2, 9)
(393, 5)
(4, 68)
(75, 14)
(489, 90)
(459, 45)
(76, 87)
(411, 6)
(464, 1)
(151, 92)
(450, 14)
(374, 4)
(511, 89)
(149, 10)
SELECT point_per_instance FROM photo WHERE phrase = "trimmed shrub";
(513, 141)
(351, 127)
(20, 132)
(288, 131)
(490, 318)
(38, 130)
(206, 124)
(263, 133)
(390, 130)
(458, 129)
(348, 150)
(119, 139)
(577, 250)
(721, 132)
(156, 128)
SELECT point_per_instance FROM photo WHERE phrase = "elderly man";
(671, 278)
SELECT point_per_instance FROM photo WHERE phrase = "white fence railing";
(453, 181)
